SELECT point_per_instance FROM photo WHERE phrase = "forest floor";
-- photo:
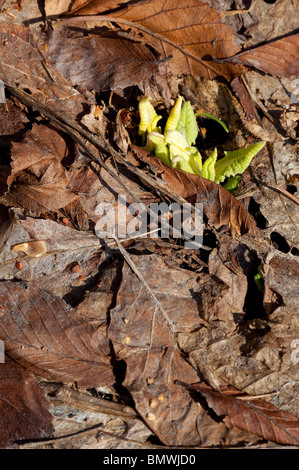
(116, 331)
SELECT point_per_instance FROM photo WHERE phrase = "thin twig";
(239, 12)
(279, 190)
(135, 269)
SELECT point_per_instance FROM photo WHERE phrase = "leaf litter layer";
(198, 315)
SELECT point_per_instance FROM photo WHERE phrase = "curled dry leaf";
(57, 7)
(24, 410)
(255, 416)
(220, 206)
(92, 7)
(44, 335)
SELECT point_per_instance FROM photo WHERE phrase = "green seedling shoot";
(176, 146)
(259, 279)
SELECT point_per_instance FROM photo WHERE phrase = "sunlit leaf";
(174, 115)
(148, 117)
(236, 161)
(187, 124)
(208, 168)
(232, 183)
(160, 147)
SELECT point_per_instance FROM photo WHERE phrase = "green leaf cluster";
(176, 146)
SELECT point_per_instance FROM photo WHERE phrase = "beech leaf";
(188, 31)
(42, 334)
(278, 58)
(255, 416)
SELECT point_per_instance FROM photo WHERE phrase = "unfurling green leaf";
(161, 149)
(208, 168)
(259, 279)
(187, 124)
(176, 147)
(174, 115)
(180, 152)
(148, 117)
(236, 161)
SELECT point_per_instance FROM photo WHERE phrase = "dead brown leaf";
(24, 410)
(64, 248)
(100, 61)
(278, 57)
(38, 180)
(44, 335)
(186, 32)
(93, 7)
(256, 416)
(278, 291)
(57, 7)
(220, 206)
(22, 66)
(142, 339)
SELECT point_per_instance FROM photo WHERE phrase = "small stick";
(239, 12)
(145, 284)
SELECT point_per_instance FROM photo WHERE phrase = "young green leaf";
(178, 143)
(232, 183)
(236, 161)
(174, 116)
(148, 117)
(195, 160)
(208, 168)
(179, 163)
(187, 124)
(179, 151)
(160, 147)
(259, 279)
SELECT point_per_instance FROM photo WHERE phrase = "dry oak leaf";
(279, 57)
(44, 335)
(255, 416)
(22, 66)
(220, 206)
(24, 409)
(185, 31)
(38, 181)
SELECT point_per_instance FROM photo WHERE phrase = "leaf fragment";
(35, 248)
